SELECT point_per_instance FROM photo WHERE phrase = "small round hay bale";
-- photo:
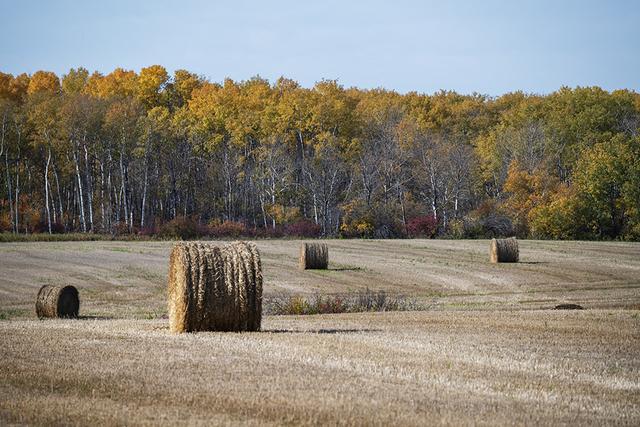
(568, 307)
(215, 288)
(314, 256)
(504, 250)
(57, 301)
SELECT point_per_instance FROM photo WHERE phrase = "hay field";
(128, 279)
(487, 349)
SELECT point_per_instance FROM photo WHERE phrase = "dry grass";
(483, 353)
(407, 368)
(358, 302)
(129, 279)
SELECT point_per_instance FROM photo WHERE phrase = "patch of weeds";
(119, 249)
(466, 304)
(320, 272)
(345, 267)
(69, 237)
(436, 294)
(366, 301)
(10, 313)
(151, 313)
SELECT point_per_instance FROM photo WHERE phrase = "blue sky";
(490, 47)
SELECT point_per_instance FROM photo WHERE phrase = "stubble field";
(485, 347)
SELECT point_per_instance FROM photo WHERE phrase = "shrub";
(120, 228)
(43, 227)
(330, 304)
(486, 222)
(228, 229)
(303, 228)
(179, 228)
(422, 226)
(362, 228)
(497, 225)
(67, 237)
(326, 304)
(268, 232)
(292, 305)
(5, 220)
(148, 231)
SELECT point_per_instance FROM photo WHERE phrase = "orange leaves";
(151, 81)
(119, 83)
(43, 81)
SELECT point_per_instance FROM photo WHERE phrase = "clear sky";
(491, 47)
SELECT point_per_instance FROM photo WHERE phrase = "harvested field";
(487, 349)
(129, 279)
(543, 367)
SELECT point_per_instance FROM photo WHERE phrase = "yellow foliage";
(526, 191)
(43, 81)
(282, 214)
(558, 218)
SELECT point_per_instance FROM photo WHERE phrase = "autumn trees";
(128, 152)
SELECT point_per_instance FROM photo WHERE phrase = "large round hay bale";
(504, 250)
(314, 256)
(57, 301)
(215, 288)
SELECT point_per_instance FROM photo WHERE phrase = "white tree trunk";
(46, 189)
(81, 199)
(89, 186)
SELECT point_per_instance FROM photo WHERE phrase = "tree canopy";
(136, 152)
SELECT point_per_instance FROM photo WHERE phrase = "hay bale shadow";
(568, 307)
(92, 317)
(320, 331)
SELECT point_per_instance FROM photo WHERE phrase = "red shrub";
(422, 226)
(228, 229)
(180, 228)
(148, 231)
(303, 228)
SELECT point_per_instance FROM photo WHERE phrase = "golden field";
(485, 348)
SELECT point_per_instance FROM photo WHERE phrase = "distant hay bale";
(314, 256)
(504, 250)
(215, 288)
(568, 307)
(57, 301)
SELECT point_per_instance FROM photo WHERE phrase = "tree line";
(148, 152)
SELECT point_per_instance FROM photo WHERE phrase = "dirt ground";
(486, 350)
